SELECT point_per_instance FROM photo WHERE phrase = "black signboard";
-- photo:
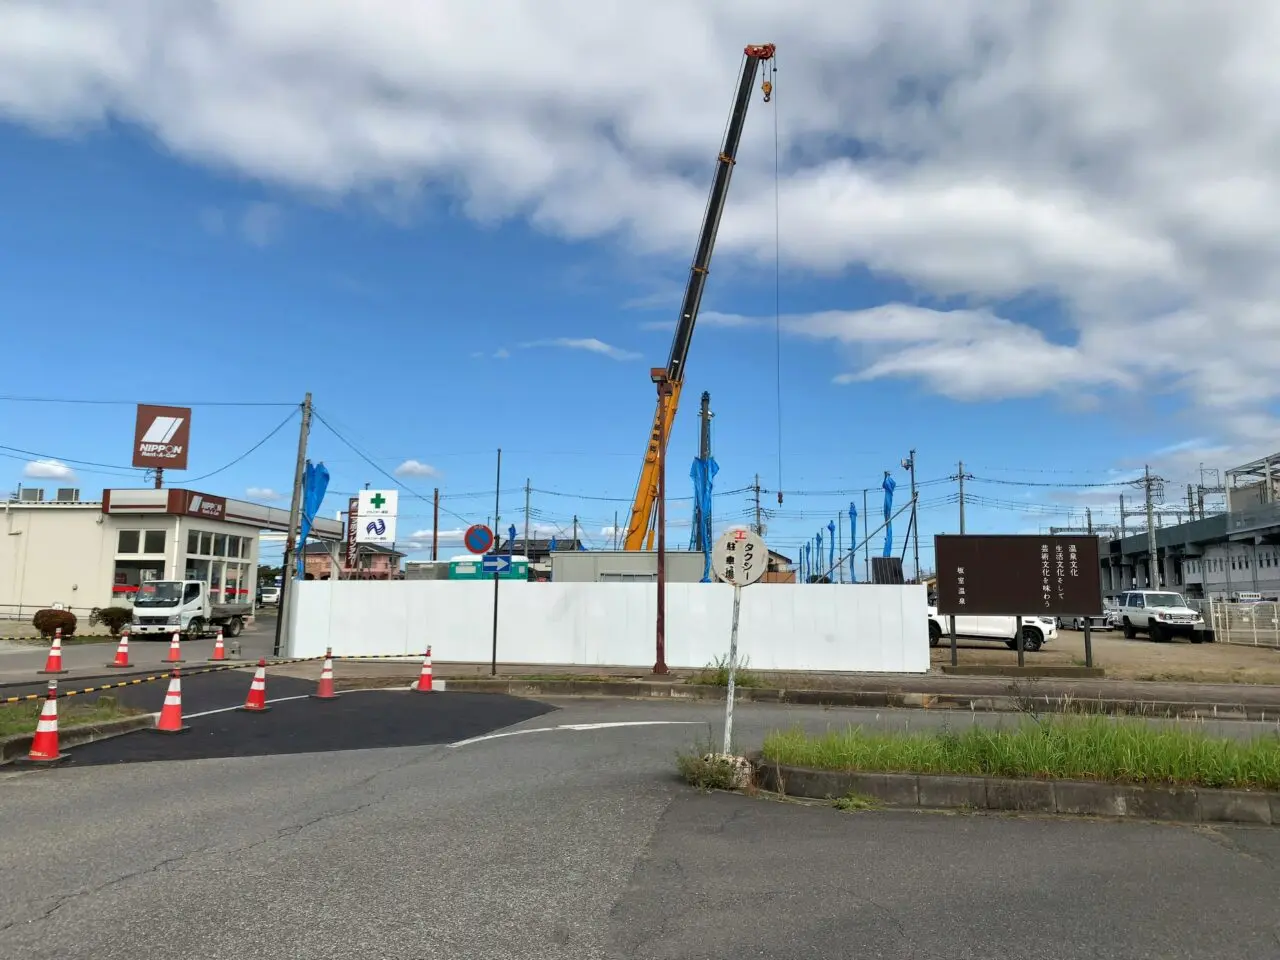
(1017, 575)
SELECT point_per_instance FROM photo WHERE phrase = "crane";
(642, 523)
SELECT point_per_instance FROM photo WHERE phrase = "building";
(83, 554)
(538, 552)
(1213, 557)
(374, 561)
(630, 566)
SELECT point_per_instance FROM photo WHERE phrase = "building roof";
(323, 550)
(535, 546)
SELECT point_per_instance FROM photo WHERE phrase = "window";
(153, 541)
(193, 541)
(192, 592)
(233, 546)
(206, 544)
(220, 545)
(128, 541)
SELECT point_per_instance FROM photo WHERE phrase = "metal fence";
(1251, 624)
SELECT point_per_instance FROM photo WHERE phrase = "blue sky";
(439, 311)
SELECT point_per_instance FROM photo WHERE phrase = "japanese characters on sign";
(1011, 575)
(740, 557)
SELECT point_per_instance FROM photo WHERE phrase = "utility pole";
(1123, 529)
(291, 538)
(660, 659)
(435, 522)
(701, 523)
(1088, 520)
(497, 495)
(615, 531)
(1154, 579)
(961, 477)
(866, 541)
(756, 487)
(159, 476)
(575, 531)
(528, 489)
(1191, 501)
(909, 465)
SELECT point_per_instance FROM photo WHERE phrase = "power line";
(166, 403)
(73, 461)
(283, 423)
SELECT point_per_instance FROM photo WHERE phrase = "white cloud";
(589, 344)
(48, 470)
(263, 493)
(1119, 160)
(414, 468)
(258, 223)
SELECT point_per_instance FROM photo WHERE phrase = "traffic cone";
(122, 652)
(170, 719)
(44, 745)
(175, 650)
(257, 700)
(424, 679)
(54, 662)
(219, 651)
(324, 689)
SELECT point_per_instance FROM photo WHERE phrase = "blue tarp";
(853, 543)
(315, 483)
(552, 546)
(831, 547)
(808, 561)
(511, 540)
(888, 486)
(703, 474)
(817, 554)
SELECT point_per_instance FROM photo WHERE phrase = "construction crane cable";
(770, 91)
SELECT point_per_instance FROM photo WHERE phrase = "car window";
(1137, 601)
(192, 592)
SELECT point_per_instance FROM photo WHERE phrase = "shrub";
(47, 621)
(113, 618)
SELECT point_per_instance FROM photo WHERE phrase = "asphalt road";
(578, 842)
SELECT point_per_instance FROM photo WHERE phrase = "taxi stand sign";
(739, 558)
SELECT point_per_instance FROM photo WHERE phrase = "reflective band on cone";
(44, 746)
(54, 662)
(324, 689)
(175, 650)
(219, 651)
(257, 700)
(122, 652)
(424, 679)
(170, 719)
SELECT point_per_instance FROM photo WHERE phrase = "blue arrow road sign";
(496, 563)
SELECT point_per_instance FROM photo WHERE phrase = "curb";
(14, 747)
(1051, 671)
(1067, 797)
(875, 698)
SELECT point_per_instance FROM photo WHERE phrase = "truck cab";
(162, 607)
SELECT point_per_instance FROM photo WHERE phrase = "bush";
(47, 621)
(714, 771)
(113, 618)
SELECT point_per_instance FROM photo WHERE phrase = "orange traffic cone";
(424, 679)
(175, 650)
(324, 689)
(257, 700)
(44, 745)
(54, 662)
(122, 652)
(170, 719)
(219, 651)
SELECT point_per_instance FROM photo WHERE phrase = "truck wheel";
(935, 634)
(1157, 632)
(1129, 632)
(233, 627)
(195, 629)
(1032, 639)
(1195, 636)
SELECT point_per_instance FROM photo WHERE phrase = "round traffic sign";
(478, 538)
(740, 557)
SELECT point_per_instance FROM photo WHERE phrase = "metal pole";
(528, 489)
(866, 542)
(915, 537)
(961, 476)
(435, 522)
(159, 476)
(497, 492)
(1153, 567)
(1021, 655)
(660, 662)
(1088, 643)
(291, 538)
(955, 651)
(733, 667)
(615, 530)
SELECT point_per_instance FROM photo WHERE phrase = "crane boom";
(642, 520)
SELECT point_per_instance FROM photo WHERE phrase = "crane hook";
(779, 498)
(767, 87)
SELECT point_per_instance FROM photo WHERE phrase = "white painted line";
(578, 726)
(209, 713)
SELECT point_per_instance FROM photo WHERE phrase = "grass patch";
(716, 674)
(18, 718)
(1068, 748)
(855, 801)
(707, 769)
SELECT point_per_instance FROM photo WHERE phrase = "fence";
(1251, 624)
(882, 629)
(24, 612)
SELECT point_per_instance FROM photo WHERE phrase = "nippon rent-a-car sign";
(160, 437)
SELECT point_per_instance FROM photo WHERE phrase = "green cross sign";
(377, 500)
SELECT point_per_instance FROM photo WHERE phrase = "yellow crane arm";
(642, 518)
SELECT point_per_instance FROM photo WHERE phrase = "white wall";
(783, 626)
(54, 554)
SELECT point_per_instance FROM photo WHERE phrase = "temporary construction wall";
(783, 626)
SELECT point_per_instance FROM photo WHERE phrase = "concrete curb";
(14, 747)
(1052, 671)
(645, 689)
(1078, 798)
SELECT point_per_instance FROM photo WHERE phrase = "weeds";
(855, 801)
(1075, 748)
(21, 717)
(716, 674)
(707, 769)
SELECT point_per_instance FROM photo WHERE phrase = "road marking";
(578, 726)
(209, 713)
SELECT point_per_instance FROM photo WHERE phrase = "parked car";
(1098, 621)
(1160, 614)
(269, 595)
(1036, 630)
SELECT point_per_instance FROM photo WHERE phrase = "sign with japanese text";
(739, 557)
(353, 517)
(1018, 575)
(379, 503)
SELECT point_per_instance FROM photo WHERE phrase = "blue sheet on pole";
(888, 486)
(703, 473)
(315, 483)
(853, 542)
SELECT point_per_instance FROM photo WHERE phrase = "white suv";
(1036, 630)
(1160, 614)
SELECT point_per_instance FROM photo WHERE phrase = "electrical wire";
(777, 263)
(130, 403)
(283, 423)
(71, 461)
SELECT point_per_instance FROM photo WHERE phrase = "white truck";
(1036, 630)
(162, 606)
(1160, 614)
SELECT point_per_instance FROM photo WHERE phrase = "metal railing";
(1250, 624)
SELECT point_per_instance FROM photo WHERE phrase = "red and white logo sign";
(160, 437)
(203, 505)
